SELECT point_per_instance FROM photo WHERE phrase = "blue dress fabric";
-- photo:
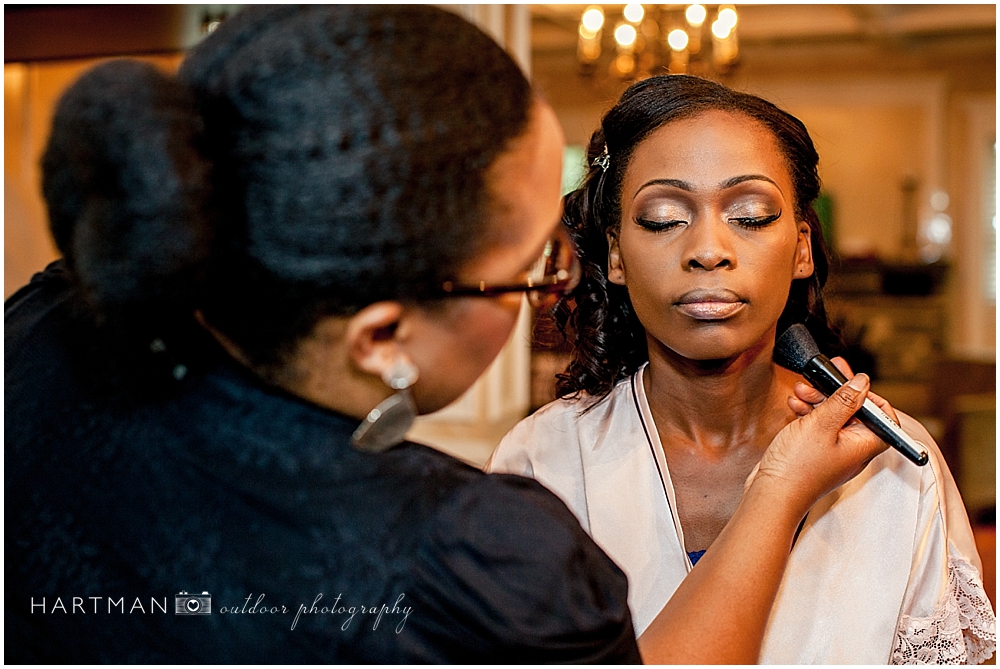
(695, 556)
(231, 487)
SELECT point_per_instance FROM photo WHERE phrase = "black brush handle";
(826, 378)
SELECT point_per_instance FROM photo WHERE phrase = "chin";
(425, 407)
(429, 400)
(708, 354)
(718, 345)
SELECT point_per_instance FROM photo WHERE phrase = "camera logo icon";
(192, 605)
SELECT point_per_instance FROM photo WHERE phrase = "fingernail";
(859, 381)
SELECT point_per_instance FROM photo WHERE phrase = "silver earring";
(386, 425)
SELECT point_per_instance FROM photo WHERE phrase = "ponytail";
(130, 207)
(127, 190)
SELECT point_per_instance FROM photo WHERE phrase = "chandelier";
(651, 39)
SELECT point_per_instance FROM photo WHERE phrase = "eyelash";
(658, 226)
(750, 223)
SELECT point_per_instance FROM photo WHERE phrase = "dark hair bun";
(307, 161)
(127, 188)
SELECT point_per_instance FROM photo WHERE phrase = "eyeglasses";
(552, 276)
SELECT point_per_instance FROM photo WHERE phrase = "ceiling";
(554, 26)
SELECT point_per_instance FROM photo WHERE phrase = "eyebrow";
(728, 183)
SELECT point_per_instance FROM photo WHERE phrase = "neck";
(718, 406)
(317, 372)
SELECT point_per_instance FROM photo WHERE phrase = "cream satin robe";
(885, 569)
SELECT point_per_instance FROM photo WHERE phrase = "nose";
(709, 246)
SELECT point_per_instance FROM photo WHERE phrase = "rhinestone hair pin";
(604, 160)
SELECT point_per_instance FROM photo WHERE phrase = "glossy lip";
(710, 304)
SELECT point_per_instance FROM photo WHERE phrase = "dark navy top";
(290, 546)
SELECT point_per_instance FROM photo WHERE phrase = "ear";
(616, 270)
(803, 253)
(375, 336)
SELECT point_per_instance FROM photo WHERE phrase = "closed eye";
(753, 222)
(659, 226)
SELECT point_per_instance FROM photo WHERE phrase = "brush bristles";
(795, 348)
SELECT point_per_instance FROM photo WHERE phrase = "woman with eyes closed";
(699, 244)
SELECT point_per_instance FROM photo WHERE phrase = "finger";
(799, 407)
(807, 393)
(839, 408)
(857, 437)
(884, 405)
(845, 369)
(842, 365)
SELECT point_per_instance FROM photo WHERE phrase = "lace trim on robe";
(962, 629)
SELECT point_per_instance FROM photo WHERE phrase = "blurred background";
(899, 99)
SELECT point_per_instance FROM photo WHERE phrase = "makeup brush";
(796, 350)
